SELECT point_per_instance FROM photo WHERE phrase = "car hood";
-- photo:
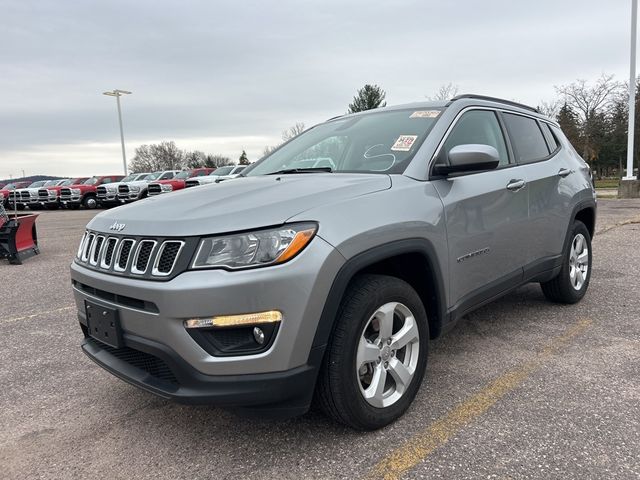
(238, 204)
(139, 183)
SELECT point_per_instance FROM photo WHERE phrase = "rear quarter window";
(526, 137)
(548, 135)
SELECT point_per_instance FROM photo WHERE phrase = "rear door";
(486, 213)
(545, 170)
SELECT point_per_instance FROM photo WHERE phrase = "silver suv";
(305, 280)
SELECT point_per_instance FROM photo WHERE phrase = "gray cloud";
(247, 70)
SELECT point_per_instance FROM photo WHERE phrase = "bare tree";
(293, 131)
(551, 108)
(587, 99)
(195, 159)
(445, 92)
(268, 150)
(160, 156)
(214, 161)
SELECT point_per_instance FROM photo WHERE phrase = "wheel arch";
(412, 260)
(586, 213)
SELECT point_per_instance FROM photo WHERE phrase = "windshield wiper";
(302, 170)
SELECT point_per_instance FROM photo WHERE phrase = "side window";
(526, 138)
(106, 180)
(549, 137)
(166, 176)
(477, 126)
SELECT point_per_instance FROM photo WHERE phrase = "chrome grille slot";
(166, 258)
(81, 247)
(124, 252)
(95, 250)
(43, 193)
(87, 247)
(107, 257)
(65, 193)
(142, 257)
(101, 191)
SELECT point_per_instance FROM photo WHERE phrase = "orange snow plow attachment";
(18, 237)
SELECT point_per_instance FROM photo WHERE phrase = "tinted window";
(548, 135)
(106, 180)
(167, 176)
(479, 127)
(526, 138)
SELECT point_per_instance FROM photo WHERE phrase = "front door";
(486, 215)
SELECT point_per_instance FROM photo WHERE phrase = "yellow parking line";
(34, 315)
(421, 445)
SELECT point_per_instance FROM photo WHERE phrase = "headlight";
(166, 188)
(254, 249)
(76, 191)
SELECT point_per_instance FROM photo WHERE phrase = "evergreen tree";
(568, 121)
(243, 160)
(368, 97)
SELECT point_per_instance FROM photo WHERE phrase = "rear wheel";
(377, 354)
(571, 284)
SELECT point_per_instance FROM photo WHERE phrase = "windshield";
(154, 176)
(37, 184)
(91, 181)
(9, 186)
(380, 142)
(129, 178)
(222, 171)
(142, 176)
(65, 183)
(183, 175)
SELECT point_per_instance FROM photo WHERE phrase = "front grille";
(146, 362)
(65, 193)
(25, 195)
(143, 255)
(148, 257)
(108, 254)
(191, 183)
(154, 189)
(123, 189)
(167, 257)
(123, 254)
(43, 193)
(97, 246)
(101, 191)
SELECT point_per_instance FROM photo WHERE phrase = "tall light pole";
(632, 91)
(118, 93)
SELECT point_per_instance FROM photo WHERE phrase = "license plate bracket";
(103, 324)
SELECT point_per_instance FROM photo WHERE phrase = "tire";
(90, 203)
(571, 284)
(342, 387)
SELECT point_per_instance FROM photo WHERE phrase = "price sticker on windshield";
(404, 143)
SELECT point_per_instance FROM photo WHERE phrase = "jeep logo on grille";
(118, 227)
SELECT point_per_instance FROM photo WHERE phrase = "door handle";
(515, 185)
(564, 172)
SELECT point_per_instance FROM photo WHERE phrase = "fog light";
(258, 334)
(222, 321)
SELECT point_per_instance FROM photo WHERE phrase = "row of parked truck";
(108, 190)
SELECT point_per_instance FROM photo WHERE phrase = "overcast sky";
(223, 76)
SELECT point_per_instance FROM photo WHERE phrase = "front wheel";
(571, 284)
(90, 203)
(377, 355)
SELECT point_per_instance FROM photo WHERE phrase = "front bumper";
(298, 289)
(159, 370)
(72, 200)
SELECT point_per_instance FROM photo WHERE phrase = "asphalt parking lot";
(519, 389)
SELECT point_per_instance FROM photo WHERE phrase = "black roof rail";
(493, 99)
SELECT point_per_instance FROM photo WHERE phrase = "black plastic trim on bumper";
(281, 394)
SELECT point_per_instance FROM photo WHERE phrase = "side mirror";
(469, 158)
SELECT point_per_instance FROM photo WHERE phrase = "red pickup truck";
(84, 194)
(4, 191)
(49, 197)
(178, 182)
